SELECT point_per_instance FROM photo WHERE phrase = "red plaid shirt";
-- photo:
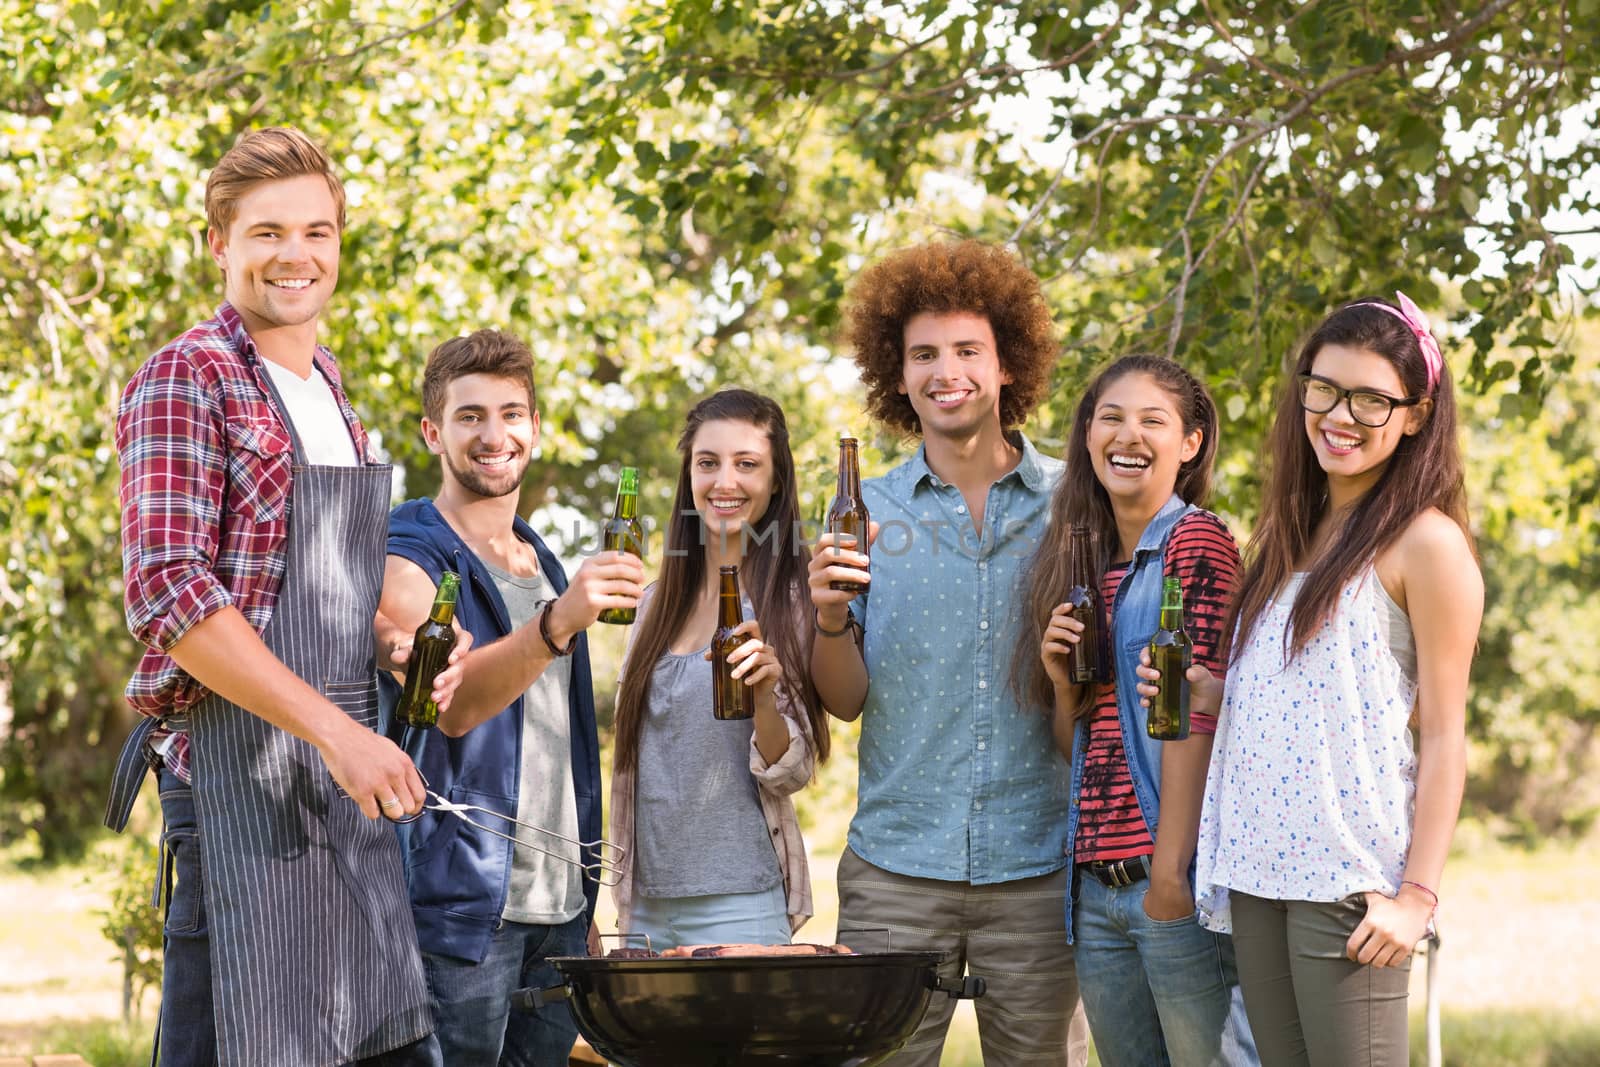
(206, 461)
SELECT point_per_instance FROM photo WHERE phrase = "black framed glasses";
(1320, 396)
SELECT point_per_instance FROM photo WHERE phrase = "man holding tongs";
(253, 522)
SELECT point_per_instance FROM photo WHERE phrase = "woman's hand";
(756, 663)
(1168, 899)
(1205, 688)
(1391, 929)
(1061, 636)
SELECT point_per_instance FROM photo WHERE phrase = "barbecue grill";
(822, 1011)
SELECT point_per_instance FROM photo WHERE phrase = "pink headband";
(1413, 317)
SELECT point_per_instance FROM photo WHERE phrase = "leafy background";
(665, 197)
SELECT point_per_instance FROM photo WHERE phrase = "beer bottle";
(624, 534)
(847, 515)
(429, 653)
(1170, 653)
(1085, 660)
(730, 697)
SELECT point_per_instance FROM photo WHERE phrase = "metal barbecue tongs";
(606, 868)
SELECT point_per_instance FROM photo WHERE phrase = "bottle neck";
(849, 471)
(1078, 561)
(627, 505)
(1172, 616)
(443, 611)
(730, 612)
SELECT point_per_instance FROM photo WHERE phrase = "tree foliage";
(668, 196)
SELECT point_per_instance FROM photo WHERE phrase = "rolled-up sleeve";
(174, 476)
(794, 768)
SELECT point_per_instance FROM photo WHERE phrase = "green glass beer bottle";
(1085, 659)
(730, 697)
(1170, 653)
(847, 515)
(430, 651)
(624, 534)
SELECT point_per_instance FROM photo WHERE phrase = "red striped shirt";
(1204, 558)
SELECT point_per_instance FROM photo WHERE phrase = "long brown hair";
(772, 574)
(1424, 472)
(1080, 499)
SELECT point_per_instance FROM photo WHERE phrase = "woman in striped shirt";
(1157, 987)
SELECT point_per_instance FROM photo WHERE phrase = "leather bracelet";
(544, 633)
(816, 620)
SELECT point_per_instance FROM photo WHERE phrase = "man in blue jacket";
(519, 738)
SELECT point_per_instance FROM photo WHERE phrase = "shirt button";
(977, 805)
(961, 509)
(982, 746)
(983, 565)
(982, 684)
(983, 625)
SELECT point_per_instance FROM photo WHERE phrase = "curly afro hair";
(945, 277)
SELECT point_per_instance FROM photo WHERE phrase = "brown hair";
(492, 352)
(772, 574)
(1424, 472)
(266, 155)
(1080, 499)
(943, 278)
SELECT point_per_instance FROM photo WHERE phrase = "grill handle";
(527, 1001)
(967, 987)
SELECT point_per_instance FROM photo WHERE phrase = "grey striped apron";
(313, 950)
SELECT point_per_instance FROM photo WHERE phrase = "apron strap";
(133, 763)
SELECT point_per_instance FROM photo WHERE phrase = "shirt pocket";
(357, 699)
(260, 461)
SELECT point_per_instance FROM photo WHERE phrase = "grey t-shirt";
(698, 825)
(543, 889)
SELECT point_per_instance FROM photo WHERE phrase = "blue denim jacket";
(1135, 614)
(457, 876)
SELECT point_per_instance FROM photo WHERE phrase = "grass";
(1519, 971)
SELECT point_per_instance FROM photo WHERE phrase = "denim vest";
(1135, 614)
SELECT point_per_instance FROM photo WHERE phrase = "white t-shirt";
(315, 413)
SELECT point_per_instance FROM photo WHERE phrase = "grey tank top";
(543, 888)
(698, 825)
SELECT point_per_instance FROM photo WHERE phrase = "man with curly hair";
(958, 841)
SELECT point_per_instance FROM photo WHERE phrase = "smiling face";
(1347, 451)
(280, 254)
(1136, 442)
(952, 373)
(486, 435)
(730, 475)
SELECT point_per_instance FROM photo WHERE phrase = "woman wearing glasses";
(1325, 827)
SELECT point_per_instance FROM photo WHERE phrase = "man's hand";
(372, 770)
(1168, 899)
(831, 563)
(446, 681)
(604, 581)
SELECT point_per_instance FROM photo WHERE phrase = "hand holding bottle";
(1205, 688)
(1061, 637)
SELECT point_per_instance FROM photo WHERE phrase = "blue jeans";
(187, 1032)
(725, 919)
(1156, 992)
(472, 1001)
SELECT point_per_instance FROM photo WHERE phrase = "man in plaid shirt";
(214, 432)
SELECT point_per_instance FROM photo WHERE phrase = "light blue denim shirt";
(957, 781)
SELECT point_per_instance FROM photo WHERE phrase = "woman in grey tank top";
(714, 853)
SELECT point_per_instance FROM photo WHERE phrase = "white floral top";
(1313, 772)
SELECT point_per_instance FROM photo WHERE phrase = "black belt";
(1118, 874)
